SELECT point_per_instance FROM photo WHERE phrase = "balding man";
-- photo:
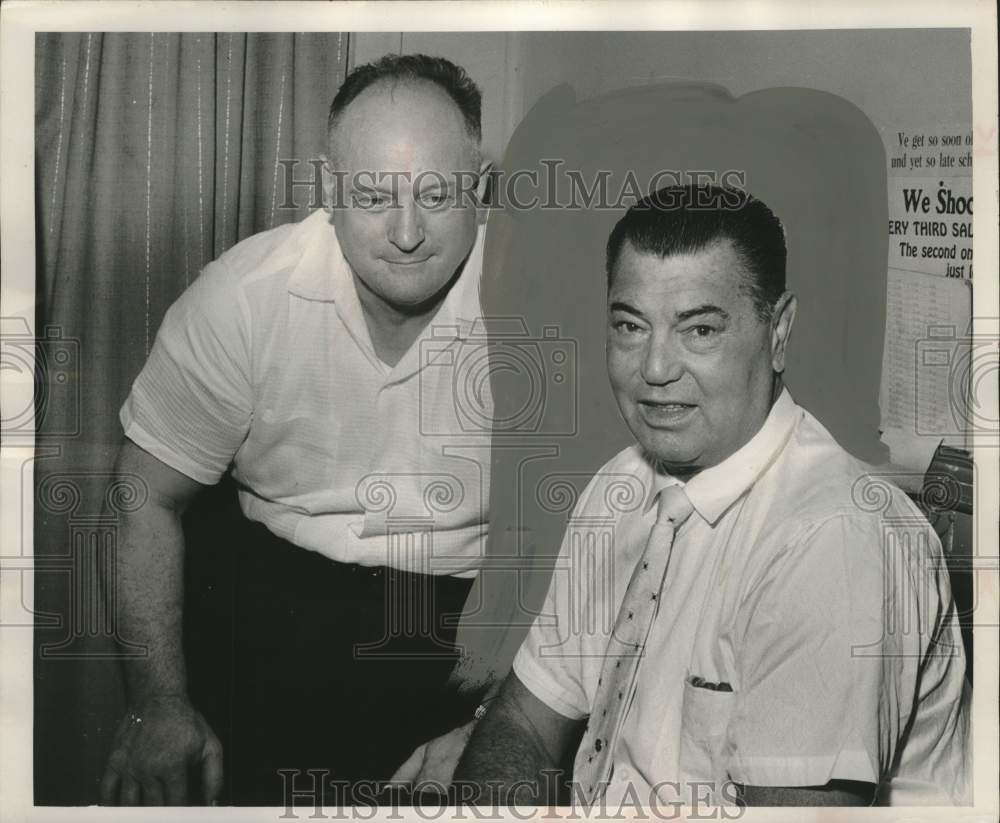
(304, 359)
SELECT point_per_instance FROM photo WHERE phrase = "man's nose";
(661, 363)
(406, 228)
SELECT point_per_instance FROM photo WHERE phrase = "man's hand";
(434, 762)
(155, 754)
(156, 748)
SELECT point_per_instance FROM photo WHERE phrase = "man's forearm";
(507, 759)
(149, 598)
(505, 768)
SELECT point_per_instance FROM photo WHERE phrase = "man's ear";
(484, 181)
(781, 329)
(333, 184)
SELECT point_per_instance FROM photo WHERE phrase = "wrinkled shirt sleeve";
(191, 404)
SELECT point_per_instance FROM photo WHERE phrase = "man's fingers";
(152, 792)
(442, 756)
(109, 786)
(175, 784)
(435, 770)
(211, 770)
(411, 768)
(131, 793)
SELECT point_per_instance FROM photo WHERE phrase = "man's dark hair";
(687, 219)
(414, 67)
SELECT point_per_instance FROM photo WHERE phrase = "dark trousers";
(328, 666)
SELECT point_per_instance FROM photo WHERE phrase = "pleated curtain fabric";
(154, 153)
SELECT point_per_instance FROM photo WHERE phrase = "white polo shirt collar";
(322, 273)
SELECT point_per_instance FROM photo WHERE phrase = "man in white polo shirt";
(305, 358)
(739, 614)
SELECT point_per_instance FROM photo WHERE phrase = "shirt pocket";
(705, 717)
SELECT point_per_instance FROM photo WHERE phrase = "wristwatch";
(481, 709)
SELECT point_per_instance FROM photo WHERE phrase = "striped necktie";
(617, 684)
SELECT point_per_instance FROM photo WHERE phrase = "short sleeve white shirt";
(812, 595)
(265, 363)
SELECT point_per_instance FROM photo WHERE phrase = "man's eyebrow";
(434, 185)
(687, 314)
(619, 305)
(698, 311)
(369, 188)
(389, 189)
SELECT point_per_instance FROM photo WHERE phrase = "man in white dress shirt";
(304, 358)
(739, 614)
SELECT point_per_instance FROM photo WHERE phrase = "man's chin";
(678, 462)
(418, 301)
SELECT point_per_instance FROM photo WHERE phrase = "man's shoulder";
(818, 480)
(268, 254)
(619, 486)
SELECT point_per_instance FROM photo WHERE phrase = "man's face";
(403, 150)
(691, 363)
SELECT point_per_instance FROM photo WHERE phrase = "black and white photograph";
(511, 409)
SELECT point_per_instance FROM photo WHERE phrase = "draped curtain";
(155, 152)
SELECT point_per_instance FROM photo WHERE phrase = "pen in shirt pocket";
(701, 683)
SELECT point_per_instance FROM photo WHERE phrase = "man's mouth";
(665, 412)
(410, 261)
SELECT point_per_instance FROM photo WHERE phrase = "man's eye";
(626, 326)
(433, 201)
(702, 330)
(364, 200)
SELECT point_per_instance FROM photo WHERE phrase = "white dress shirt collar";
(713, 490)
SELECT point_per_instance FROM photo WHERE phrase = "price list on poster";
(929, 299)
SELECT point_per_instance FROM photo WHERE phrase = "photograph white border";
(20, 20)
